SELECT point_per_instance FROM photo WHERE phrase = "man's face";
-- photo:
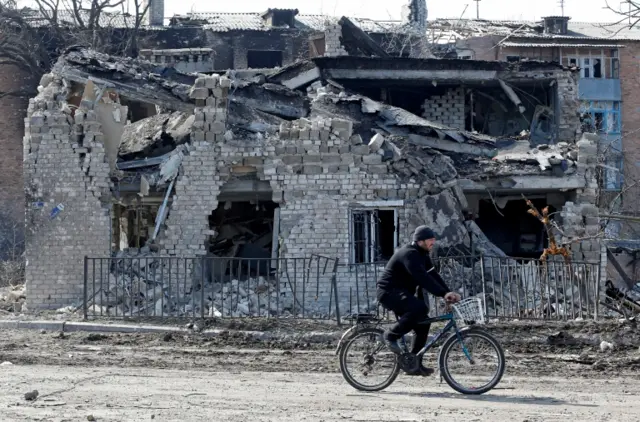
(427, 244)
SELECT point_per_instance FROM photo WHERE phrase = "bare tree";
(630, 17)
(28, 36)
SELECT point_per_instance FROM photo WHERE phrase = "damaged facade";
(327, 157)
(605, 56)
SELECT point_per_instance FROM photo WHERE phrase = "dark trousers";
(410, 311)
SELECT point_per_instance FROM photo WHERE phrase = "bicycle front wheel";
(366, 363)
(473, 362)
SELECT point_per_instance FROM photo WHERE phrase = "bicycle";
(467, 314)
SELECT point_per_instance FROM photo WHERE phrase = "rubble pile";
(622, 301)
(12, 299)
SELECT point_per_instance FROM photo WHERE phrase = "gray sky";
(578, 10)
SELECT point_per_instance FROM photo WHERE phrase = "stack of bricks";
(65, 164)
(447, 109)
(332, 44)
(580, 219)
(211, 94)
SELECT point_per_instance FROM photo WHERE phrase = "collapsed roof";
(259, 104)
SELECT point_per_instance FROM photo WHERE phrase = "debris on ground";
(31, 395)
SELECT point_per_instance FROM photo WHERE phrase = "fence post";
(86, 286)
(597, 292)
(484, 290)
(334, 282)
(202, 281)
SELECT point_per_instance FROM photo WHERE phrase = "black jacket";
(409, 268)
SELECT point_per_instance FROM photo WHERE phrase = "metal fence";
(316, 287)
(511, 288)
(163, 287)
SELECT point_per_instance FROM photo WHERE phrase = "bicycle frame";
(451, 324)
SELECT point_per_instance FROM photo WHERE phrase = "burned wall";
(67, 190)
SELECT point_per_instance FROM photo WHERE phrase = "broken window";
(600, 117)
(264, 59)
(512, 59)
(374, 235)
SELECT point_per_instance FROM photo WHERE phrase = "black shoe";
(422, 372)
(392, 343)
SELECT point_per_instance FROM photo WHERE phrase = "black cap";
(423, 233)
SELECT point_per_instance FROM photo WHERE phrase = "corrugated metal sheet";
(532, 29)
(223, 22)
(547, 45)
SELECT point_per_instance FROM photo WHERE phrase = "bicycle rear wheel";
(366, 363)
(475, 368)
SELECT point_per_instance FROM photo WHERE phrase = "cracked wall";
(67, 190)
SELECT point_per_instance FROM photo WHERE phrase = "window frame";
(370, 208)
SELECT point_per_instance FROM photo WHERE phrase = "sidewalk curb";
(76, 326)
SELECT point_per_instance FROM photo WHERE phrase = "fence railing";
(510, 288)
(162, 287)
(318, 287)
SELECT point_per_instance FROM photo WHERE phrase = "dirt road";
(126, 394)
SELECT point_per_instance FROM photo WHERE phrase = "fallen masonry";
(279, 194)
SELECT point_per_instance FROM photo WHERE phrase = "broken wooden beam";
(360, 39)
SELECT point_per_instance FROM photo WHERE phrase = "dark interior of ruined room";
(487, 108)
(264, 59)
(511, 228)
(244, 229)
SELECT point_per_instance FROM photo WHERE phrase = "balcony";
(598, 89)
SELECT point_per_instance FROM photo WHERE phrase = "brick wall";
(447, 109)
(12, 110)
(630, 84)
(333, 45)
(64, 164)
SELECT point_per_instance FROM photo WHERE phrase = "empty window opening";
(138, 110)
(133, 225)
(511, 228)
(374, 235)
(243, 229)
(600, 117)
(597, 68)
(264, 59)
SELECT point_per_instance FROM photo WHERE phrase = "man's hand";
(452, 297)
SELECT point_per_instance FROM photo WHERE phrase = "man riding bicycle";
(408, 270)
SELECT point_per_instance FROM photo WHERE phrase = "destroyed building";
(340, 157)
